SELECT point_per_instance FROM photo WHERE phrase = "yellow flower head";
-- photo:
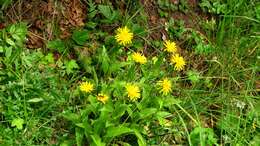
(86, 87)
(165, 86)
(178, 61)
(124, 36)
(170, 46)
(133, 91)
(139, 58)
(102, 98)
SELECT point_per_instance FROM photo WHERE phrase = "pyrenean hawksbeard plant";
(126, 100)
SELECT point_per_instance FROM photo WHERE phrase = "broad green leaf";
(97, 141)
(117, 131)
(144, 113)
(119, 110)
(99, 125)
(105, 10)
(169, 101)
(72, 117)
(18, 123)
(80, 36)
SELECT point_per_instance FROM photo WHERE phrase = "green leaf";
(80, 36)
(97, 141)
(10, 41)
(105, 10)
(35, 100)
(141, 140)
(70, 66)
(18, 33)
(1, 49)
(144, 113)
(8, 52)
(163, 114)
(49, 58)
(193, 76)
(79, 136)
(117, 131)
(119, 111)
(72, 117)
(57, 45)
(170, 101)
(18, 123)
(104, 60)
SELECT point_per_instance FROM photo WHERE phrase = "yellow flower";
(133, 91)
(124, 36)
(178, 61)
(139, 58)
(165, 86)
(102, 98)
(86, 87)
(170, 46)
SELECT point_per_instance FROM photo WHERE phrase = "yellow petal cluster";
(133, 91)
(139, 58)
(86, 87)
(165, 86)
(124, 36)
(178, 62)
(102, 98)
(170, 46)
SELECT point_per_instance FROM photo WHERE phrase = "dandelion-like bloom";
(133, 91)
(86, 87)
(102, 98)
(170, 46)
(165, 86)
(178, 62)
(139, 58)
(124, 36)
